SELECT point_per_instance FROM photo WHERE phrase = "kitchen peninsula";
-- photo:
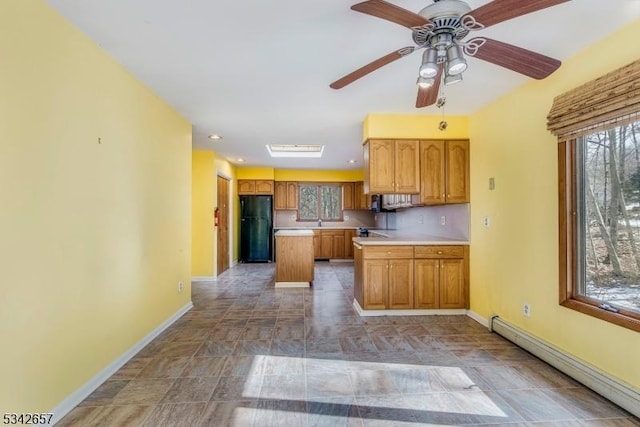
(403, 273)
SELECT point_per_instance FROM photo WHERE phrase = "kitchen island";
(407, 273)
(294, 258)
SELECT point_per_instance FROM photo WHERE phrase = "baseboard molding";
(475, 316)
(204, 279)
(90, 386)
(365, 313)
(613, 389)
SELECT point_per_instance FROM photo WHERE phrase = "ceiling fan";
(440, 29)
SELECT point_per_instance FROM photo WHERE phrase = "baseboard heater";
(618, 392)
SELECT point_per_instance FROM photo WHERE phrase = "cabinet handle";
(388, 252)
(443, 195)
(439, 252)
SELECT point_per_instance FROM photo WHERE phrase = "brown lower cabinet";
(411, 277)
(333, 243)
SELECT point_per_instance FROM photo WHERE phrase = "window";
(605, 170)
(320, 201)
(598, 130)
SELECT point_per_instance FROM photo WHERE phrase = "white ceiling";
(258, 72)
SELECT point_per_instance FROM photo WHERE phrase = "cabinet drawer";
(439, 251)
(388, 252)
(332, 232)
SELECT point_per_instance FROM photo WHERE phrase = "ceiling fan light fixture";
(455, 60)
(429, 67)
(425, 83)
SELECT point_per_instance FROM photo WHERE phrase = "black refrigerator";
(256, 228)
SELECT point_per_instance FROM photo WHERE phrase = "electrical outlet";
(346, 217)
(526, 309)
(486, 221)
(443, 220)
(180, 287)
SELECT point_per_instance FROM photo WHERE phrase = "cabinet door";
(348, 193)
(452, 283)
(317, 244)
(381, 173)
(376, 284)
(407, 167)
(326, 246)
(361, 199)
(348, 243)
(400, 284)
(426, 283)
(432, 172)
(338, 246)
(358, 271)
(458, 172)
(292, 195)
(280, 195)
(246, 186)
(264, 187)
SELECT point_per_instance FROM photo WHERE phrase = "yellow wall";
(206, 167)
(516, 259)
(255, 173)
(95, 174)
(413, 126)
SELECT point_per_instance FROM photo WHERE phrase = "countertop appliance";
(363, 232)
(256, 228)
(377, 204)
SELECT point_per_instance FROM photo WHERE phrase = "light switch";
(492, 183)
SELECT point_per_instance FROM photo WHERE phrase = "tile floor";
(251, 355)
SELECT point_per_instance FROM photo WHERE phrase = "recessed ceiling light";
(215, 137)
(351, 161)
(283, 150)
(241, 160)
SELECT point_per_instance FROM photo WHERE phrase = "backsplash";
(358, 218)
(427, 220)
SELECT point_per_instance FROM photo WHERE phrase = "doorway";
(223, 224)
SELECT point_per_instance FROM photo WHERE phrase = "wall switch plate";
(486, 221)
(526, 309)
(180, 287)
(492, 183)
(443, 220)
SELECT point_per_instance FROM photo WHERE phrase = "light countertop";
(401, 237)
(294, 232)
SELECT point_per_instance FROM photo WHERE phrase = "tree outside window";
(320, 201)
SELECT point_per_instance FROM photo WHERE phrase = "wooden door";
(400, 284)
(223, 225)
(338, 245)
(264, 187)
(381, 166)
(407, 167)
(317, 244)
(326, 245)
(349, 234)
(376, 284)
(426, 283)
(280, 195)
(452, 283)
(432, 172)
(292, 195)
(361, 199)
(246, 186)
(348, 196)
(458, 181)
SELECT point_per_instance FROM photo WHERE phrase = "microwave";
(377, 204)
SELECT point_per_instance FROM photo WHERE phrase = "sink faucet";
(319, 223)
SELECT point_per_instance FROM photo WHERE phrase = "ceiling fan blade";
(363, 71)
(502, 10)
(390, 12)
(515, 58)
(429, 96)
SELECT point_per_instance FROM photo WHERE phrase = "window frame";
(319, 185)
(568, 192)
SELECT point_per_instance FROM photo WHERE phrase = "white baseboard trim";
(71, 401)
(435, 312)
(475, 316)
(204, 279)
(624, 395)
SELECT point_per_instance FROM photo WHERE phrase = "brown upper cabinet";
(255, 186)
(286, 195)
(348, 195)
(444, 172)
(391, 166)
(361, 199)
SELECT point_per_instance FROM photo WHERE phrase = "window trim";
(568, 258)
(319, 207)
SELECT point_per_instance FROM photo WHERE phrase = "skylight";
(283, 150)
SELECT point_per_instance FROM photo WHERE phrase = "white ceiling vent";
(281, 150)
